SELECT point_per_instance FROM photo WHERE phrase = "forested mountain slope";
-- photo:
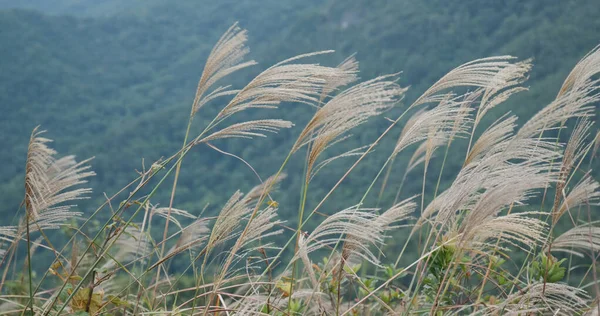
(116, 81)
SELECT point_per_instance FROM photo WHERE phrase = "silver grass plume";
(7, 236)
(248, 130)
(399, 211)
(191, 237)
(505, 86)
(419, 155)
(347, 110)
(586, 191)
(269, 185)
(350, 66)
(358, 229)
(541, 298)
(350, 153)
(49, 183)
(225, 58)
(283, 82)
(261, 226)
(577, 102)
(481, 73)
(578, 239)
(174, 213)
(596, 143)
(508, 162)
(308, 266)
(438, 123)
(229, 219)
(516, 229)
(238, 208)
(510, 185)
(498, 132)
(576, 148)
(585, 69)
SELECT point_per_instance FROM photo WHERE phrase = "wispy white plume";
(541, 298)
(516, 229)
(351, 153)
(225, 58)
(191, 236)
(174, 213)
(248, 130)
(585, 69)
(358, 229)
(439, 122)
(283, 82)
(349, 109)
(262, 225)
(482, 73)
(505, 85)
(577, 102)
(269, 185)
(350, 66)
(498, 132)
(49, 183)
(578, 239)
(229, 218)
(576, 148)
(586, 191)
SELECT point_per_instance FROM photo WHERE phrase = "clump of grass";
(465, 235)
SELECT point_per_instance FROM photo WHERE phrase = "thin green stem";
(29, 270)
(78, 286)
(168, 219)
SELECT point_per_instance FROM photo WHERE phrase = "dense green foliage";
(118, 85)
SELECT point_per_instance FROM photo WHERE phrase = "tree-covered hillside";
(116, 81)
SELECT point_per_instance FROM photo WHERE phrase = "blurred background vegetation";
(115, 80)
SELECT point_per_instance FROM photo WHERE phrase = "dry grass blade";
(49, 183)
(225, 58)
(248, 130)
